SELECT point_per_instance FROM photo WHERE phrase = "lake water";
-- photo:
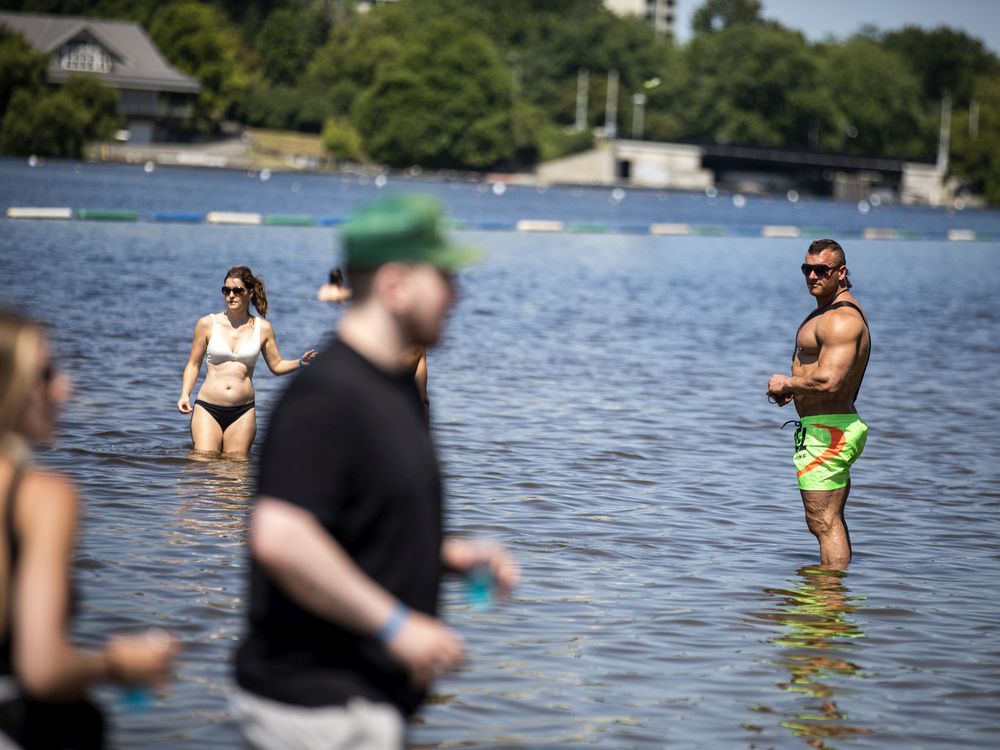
(598, 406)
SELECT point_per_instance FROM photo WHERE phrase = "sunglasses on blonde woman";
(239, 291)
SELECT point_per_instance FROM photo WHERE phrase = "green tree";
(599, 42)
(753, 84)
(282, 45)
(20, 66)
(975, 147)
(43, 124)
(197, 38)
(877, 102)
(444, 102)
(716, 15)
(58, 123)
(944, 59)
(96, 103)
(341, 140)
(346, 65)
(133, 10)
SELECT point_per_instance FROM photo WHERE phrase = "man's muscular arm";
(838, 337)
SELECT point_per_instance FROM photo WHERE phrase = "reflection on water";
(214, 494)
(816, 645)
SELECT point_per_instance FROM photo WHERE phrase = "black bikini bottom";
(225, 415)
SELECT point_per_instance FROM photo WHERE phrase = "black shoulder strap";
(15, 484)
(847, 303)
(832, 306)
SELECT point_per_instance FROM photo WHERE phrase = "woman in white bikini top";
(223, 417)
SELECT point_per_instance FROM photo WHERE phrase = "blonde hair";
(19, 342)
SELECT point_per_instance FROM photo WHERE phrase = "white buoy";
(32, 161)
(875, 200)
(864, 206)
(793, 196)
(381, 181)
(265, 174)
(617, 195)
(499, 188)
(739, 201)
(711, 191)
(149, 167)
(296, 187)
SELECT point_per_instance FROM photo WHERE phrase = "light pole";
(639, 108)
(611, 106)
(638, 113)
(582, 91)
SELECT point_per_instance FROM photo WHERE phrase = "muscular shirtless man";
(831, 353)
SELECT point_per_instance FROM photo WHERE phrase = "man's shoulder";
(847, 320)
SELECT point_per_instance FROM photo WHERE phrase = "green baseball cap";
(406, 228)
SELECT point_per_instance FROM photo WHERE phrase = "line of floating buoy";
(241, 218)
(234, 217)
(39, 213)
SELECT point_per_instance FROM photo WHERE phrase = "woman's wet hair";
(336, 276)
(19, 342)
(258, 296)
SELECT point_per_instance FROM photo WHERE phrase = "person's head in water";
(825, 268)
(31, 389)
(397, 253)
(241, 287)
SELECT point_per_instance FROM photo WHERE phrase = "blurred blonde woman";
(224, 417)
(43, 676)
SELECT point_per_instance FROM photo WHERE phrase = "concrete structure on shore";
(639, 163)
(676, 166)
(154, 97)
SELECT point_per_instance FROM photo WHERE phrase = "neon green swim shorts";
(825, 447)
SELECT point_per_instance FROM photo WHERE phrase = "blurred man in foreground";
(346, 536)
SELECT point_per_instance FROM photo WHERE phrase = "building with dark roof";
(154, 97)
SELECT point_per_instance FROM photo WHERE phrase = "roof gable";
(137, 61)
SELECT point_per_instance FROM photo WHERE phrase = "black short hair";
(818, 246)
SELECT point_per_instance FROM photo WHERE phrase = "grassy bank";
(284, 149)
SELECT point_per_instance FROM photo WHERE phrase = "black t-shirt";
(347, 442)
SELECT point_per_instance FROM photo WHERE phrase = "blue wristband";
(300, 362)
(393, 625)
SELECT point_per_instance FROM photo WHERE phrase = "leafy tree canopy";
(445, 101)
(197, 39)
(944, 59)
(20, 66)
(716, 15)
